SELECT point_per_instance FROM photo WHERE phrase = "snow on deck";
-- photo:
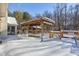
(32, 46)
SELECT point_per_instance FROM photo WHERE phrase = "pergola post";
(32, 29)
(27, 33)
(36, 29)
(42, 32)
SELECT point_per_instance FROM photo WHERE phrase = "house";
(8, 25)
(11, 25)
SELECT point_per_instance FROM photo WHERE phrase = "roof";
(11, 20)
(42, 18)
(48, 19)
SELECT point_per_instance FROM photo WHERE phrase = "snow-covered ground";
(30, 46)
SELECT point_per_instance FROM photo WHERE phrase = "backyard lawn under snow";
(31, 46)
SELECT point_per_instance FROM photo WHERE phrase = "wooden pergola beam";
(37, 22)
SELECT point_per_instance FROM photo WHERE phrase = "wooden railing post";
(78, 35)
(61, 34)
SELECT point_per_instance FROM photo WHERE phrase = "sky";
(32, 8)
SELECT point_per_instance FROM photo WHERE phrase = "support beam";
(42, 32)
(15, 30)
(36, 30)
(27, 32)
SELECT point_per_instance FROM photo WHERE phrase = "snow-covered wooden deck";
(33, 47)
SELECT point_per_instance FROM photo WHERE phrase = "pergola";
(38, 25)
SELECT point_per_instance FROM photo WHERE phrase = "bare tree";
(76, 11)
(57, 16)
(60, 15)
(70, 17)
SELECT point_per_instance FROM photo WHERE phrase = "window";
(11, 30)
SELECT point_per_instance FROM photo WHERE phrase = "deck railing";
(63, 32)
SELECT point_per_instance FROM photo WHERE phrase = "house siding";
(3, 21)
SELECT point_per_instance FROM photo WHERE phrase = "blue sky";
(32, 8)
